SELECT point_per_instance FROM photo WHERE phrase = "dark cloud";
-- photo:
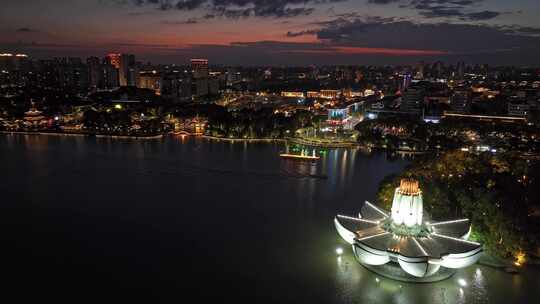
(181, 22)
(377, 32)
(301, 33)
(26, 30)
(485, 15)
(238, 8)
(457, 9)
(382, 1)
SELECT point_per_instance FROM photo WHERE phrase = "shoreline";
(263, 140)
(348, 145)
(81, 135)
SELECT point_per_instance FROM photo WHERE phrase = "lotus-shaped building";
(402, 236)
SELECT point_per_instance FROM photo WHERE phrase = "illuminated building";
(519, 109)
(199, 67)
(125, 64)
(200, 71)
(313, 94)
(330, 94)
(382, 240)
(338, 114)
(292, 94)
(33, 117)
(150, 80)
(114, 59)
(407, 79)
(11, 62)
(127, 71)
(109, 76)
(459, 101)
(413, 100)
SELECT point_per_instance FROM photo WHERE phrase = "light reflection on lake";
(159, 220)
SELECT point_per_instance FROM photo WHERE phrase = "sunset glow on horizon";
(361, 31)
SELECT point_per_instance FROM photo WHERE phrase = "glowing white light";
(339, 251)
(373, 236)
(448, 222)
(420, 246)
(377, 280)
(377, 209)
(455, 239)
(358, 219)
(462, 282)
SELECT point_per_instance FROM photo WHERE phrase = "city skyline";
(284, 32)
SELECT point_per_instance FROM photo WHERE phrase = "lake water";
(108, 220)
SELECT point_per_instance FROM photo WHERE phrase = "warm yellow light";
(118, 107)
(520, 258)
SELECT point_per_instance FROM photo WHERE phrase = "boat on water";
(302, 156)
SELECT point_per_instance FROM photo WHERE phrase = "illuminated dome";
(401, 237)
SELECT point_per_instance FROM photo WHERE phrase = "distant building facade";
(413, 100)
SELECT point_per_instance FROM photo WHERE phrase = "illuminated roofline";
(448, 222)
(358, 219)
(420, 246)
(377, 209)
(374, 236)
(484, 116)
(456, 239)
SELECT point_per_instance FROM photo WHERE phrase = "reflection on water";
(159, 220)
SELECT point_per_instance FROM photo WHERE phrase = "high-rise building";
(200, 87)
(128, 73)
(12, 62)
(199, 68)
(413, 100)
(113, 59)
(407, 80)
(232, 76)
(519, 109)
(70, 72)
(95, 73)
(176, 86)
(150, 80)
(200, 71)
(420, 70)
(459, 101)
(213, 85)
(110, 76)
(460, 69)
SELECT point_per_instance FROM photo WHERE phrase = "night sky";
(277, 32)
